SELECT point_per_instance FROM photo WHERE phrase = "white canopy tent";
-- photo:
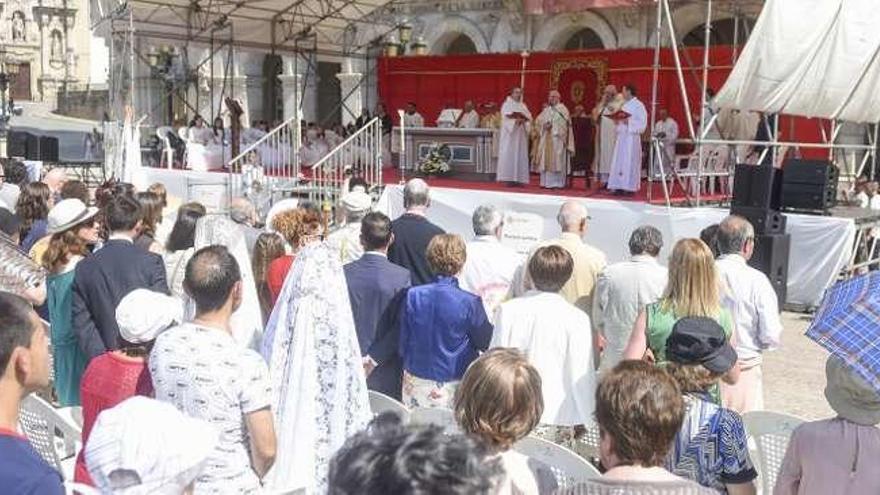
(814, 58)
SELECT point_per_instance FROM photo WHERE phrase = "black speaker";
(809, 185)
(771, 257)
(765, 221)
(32, 147)
(757, 186)
(17, 144)
(48, 148)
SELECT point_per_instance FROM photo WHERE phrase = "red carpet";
(577, 188)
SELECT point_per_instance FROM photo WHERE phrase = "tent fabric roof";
(258, 24)
(823, 64)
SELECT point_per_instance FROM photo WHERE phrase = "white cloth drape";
(513, 150)
(319, 392)
(817, 58)
(246, 322)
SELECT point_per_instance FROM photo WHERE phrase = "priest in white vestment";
(555, 336)
(666, 131)
(556, 145)
(624, 289)
(468, 118)
(606, 136)
(490, 266)
(626, 166)
(513, 150)
(412, 118)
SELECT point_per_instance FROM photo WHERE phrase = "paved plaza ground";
(794, 376)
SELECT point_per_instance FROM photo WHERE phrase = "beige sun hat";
(849, 395)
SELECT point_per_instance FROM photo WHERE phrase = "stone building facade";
(49, 41)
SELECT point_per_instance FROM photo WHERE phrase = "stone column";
(351, 92)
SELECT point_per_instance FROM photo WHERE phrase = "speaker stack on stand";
(757, 197)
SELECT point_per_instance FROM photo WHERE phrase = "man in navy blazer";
(104, 278)
(413, 232)
(376, 288)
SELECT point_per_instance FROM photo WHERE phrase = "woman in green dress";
(73, 228)
(693, 290)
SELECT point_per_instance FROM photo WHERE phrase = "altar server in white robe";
(626, 166)
(666, 130)
(412, 118)
(607, 135)
(555, 336)
(469, 118)
(556, 144)
(513, 151)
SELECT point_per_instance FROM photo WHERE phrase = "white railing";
(360, 155)
(274, 154)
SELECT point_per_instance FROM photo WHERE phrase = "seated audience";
(316, 372)
(225, 384)
(388, 457)
(490, 266)
(711, 448)
(376, 288)
(624, 289)
(346, 240)
(146, 446)
(558, 346)
(33, 207)
(836, 455)
(639, 410)
(73, 229)
(498, 404)
(412, 233)
(104, 278)
(442, 329)
(24, 361)
(151, 206)
(299, 227)
(117, 375)
(180, 246)
(268, 248)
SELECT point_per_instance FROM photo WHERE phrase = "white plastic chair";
(568, 468)
(439, 416)
(770, 432)
(52, 434)
(167, 159)
(380, 403)
(589, 442)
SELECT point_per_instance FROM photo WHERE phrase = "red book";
(619, 115)
(518, 115)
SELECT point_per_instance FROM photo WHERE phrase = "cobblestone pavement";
(794, 376)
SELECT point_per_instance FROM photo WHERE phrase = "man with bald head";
(468, 118)
(606, 138)
(55, 179)
(755, 310)
(556, 142)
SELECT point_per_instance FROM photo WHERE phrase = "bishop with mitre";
(556, 143)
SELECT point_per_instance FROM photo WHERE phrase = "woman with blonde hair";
(498, 403)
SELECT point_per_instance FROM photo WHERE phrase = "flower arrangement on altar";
(436, 162)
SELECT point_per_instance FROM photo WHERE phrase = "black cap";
(700, 340)
(9, 222)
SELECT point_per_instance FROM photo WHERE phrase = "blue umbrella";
(847, 324)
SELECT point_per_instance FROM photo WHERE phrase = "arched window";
(585, 39)
(461, 45)
(722, 33)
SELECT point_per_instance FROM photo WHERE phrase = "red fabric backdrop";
(431, 82)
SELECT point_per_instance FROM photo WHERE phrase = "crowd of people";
(225, 353)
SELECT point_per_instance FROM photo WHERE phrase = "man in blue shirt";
(24, 361)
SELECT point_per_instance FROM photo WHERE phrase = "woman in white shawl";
(318, 386)
(246, 322)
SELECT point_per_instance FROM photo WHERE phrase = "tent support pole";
(874, 152)
(658, 31)
(704, 94)
(678, 70)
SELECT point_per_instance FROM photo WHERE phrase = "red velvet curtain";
(432, 82)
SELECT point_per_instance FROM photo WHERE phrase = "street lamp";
(419, 46)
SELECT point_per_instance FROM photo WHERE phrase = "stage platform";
(823, 248)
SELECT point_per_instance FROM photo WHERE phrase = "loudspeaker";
(764, 221)
(32, 148)
(16, 147)
(757, 186)
(771, 257)
(809, 185)
(48, 149)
